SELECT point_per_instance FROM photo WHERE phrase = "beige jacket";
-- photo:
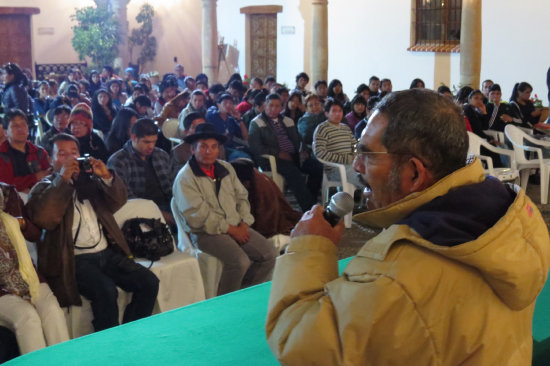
(406, 301)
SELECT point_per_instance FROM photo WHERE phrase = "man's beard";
(392, 187)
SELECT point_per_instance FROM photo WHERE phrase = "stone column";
(210, 40)
(470, 43)
(319, 41)
(119, 7)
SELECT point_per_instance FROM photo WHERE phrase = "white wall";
(366, 37)
(290, 47)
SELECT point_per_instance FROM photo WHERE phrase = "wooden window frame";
(441, 45)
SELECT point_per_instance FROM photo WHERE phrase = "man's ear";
(133, 137)
(418, 176)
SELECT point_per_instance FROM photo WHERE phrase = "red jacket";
(37, 158)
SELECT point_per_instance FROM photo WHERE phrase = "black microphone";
(340, 205)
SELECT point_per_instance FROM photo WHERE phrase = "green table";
(226, 330)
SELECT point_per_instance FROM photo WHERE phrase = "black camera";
(84, 163)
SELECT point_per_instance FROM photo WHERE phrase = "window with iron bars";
(436, 25)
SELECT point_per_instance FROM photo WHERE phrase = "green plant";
(142, 36)
(96, 35)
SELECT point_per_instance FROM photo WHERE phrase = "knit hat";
(82, 112)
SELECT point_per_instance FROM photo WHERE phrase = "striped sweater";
(334, 143)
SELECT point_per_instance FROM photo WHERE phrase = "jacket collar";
(219, 170)
(30, 147)
(389, 215)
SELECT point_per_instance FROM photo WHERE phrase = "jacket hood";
(475, 220)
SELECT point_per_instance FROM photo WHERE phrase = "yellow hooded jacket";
(404, 300)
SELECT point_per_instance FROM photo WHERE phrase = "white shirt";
(91, 231)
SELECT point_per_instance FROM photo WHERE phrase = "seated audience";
(146, 170)
(321, 89)
(302, 79)
(139, 89)
(294, 106)
(521, 106)
(374, 85)
(364, 91)
(358, 111)
(27, 305)
(22, 163)
(485, 86)
(15, 95)
(75, 208)
(181, 153)
(80, 125)
(94, 82)
(218, 217)
(173, 107)
(60, 123)
(476, 112)
(385, 87)
(196, 105)
(103, 111)
(257, 108)
(41, 104)
(118, 97)
(310, 120)
(444, 90)
(120, 129)
(168, 90)
(335, 91)
(142, 105)
(499, 113)
(247, 102)
(417, 84)
(333, 141)
(274, 134)
(228, 123)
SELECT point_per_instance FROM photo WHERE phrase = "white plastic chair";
(170, 130)
(517, 137)
(496, 135)
(274, 174)
(342, 183)
(210, 266)
(510, 173)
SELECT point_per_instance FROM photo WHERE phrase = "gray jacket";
(211, 205)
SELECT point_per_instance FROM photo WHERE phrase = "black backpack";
(148, 238)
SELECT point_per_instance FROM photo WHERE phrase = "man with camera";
(451, 280)
(84, 251)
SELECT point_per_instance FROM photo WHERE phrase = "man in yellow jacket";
(453, 277)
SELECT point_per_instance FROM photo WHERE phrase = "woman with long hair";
(114, 86)
(521, 106)
(417, 84)
(336, 92)
(120, 129)
(294, 106)
(102, 110)
(15, 93)
(358, 111)
(95, 82)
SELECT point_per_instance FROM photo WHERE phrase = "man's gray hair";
(427, 125)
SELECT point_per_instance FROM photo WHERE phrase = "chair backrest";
(517, 137)
(170, 128)
(184, 243)
(138, 207)
(474, 144)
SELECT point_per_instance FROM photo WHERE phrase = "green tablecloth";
(226, 330)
